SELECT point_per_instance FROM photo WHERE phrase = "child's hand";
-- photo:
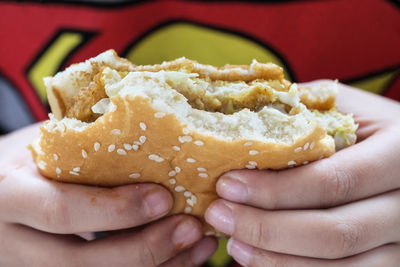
(339, 211)
(39, 219)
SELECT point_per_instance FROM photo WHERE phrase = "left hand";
(339, 211)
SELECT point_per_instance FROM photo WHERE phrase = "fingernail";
(156, 202)
(220, 216)
(240, 251)
(186, 233)
(232, 189)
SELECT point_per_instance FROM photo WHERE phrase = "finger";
(23, 246)
(331, 234)
(195, 256)
(348, 175)
(388, 255)
(154, 245)
(67, 208)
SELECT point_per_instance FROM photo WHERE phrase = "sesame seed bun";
(182, 124)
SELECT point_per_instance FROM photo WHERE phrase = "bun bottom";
(138, 143)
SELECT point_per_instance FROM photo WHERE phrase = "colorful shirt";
(354, 41)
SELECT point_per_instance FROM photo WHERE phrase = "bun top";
(182, 124)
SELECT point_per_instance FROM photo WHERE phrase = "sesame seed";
(253, 152)
(58, 170)
(135, 147)
(194, 199)
(137, 143)
(189, 202)
(202, 169)
(179, 188)
(116, 131)
(176, 148)
(298, 149)
(187, 194)
(172, 181)
(111, 148)
(172, 173)
(128, 146)
(77, 169)
(142, 139)
(305, 162)
(177, 169)
(84, 154)
(159, 115)
(292, 162)
(74, 173)
(185, 131)
(190, 160)
(121, 152)
(199, 143)
(312, 145)
(62, 127)
(143, 126)
(253, 163)
(306, 146)
(55, 157)
(186, 138)
(96, 146)
(42, 165)
(134, 175)
(187, 210)
(248, 143)
(156, 158)
(203, 175)
(250, 167)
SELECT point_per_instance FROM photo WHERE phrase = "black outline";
(83, 3)
(390, 84)
(370, 74)
(110, 4)
(167, 23)
(87, 35)
(2, 131)
(395, 2)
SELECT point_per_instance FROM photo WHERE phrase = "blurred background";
(354, 41)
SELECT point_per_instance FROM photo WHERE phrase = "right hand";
(40, 219)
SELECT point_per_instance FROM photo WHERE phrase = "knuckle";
(56, 214)
(339, 185)
(258, 234)
(275, 260)
(345, 238)
(122, 205)
(146, 255)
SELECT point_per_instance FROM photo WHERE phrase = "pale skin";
(340, 211)
(40, 220)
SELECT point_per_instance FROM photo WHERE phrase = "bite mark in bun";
(182, 124)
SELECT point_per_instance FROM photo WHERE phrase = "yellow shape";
(50, 61)
(220, 257)
(377, 83)
(206, 45)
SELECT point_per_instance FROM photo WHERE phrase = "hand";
(39, 219)
(339, 211)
